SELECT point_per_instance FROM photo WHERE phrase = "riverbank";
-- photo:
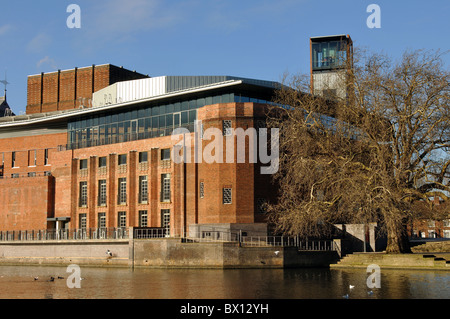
(160, 253)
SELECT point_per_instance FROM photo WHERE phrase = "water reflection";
(121, 283)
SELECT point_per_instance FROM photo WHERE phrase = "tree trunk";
(397, 240)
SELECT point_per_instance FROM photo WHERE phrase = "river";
(18, 282)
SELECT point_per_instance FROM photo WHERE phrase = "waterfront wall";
(165, 252)
(81, 252)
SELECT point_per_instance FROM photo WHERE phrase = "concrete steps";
(409, 261)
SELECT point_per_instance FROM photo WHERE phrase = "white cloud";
(39, 43)
(5, 28)
(46, 61)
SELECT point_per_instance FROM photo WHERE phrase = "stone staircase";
(435, 261)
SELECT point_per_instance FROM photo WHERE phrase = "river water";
(18, 282)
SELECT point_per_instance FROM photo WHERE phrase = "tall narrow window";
(227, 199)
(226, 127)
(101, 220)
(122, 192)
(165, 188)
(122, 220)
(46, 156)
(202, 189)
(143, 218)
(102, 192)
(82, 221)
(13, 159)
(143, 189)
(83, 199)
(165, 221)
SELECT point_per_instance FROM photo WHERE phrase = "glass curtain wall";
(147, 121)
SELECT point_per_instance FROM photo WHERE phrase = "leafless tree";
(369, 156)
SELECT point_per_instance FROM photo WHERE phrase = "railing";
(65, 234)
(316, 245)
(237, 237)
(160, 232)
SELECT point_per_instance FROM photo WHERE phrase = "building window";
(102, 192)
(102, 161)
(446, 222)
(83, 194)
(165, 154)
(165, 188)
(83, 164)
(165, 221)
(101, 222)
(122, 192)
(46, 156)
(227, 196)
(13, 159)
(32, 174)
(143, 218)
(15, 175)
(202, 189)
(122, 219)
(143, 157)
(123, 159)
(143, 189)
(82, 221)
(446, 233)
(431, 224)
(226, 127)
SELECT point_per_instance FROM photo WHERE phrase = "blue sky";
(259, 39)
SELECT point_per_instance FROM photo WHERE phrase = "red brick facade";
(27, 201)
(64, 90)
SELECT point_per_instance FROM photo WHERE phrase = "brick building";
(111, 164)
(70, 89)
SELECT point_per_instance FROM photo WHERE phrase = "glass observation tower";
(331, 59)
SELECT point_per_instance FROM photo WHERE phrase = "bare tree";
(368, 157)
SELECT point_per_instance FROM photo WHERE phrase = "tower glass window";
(329, 52)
